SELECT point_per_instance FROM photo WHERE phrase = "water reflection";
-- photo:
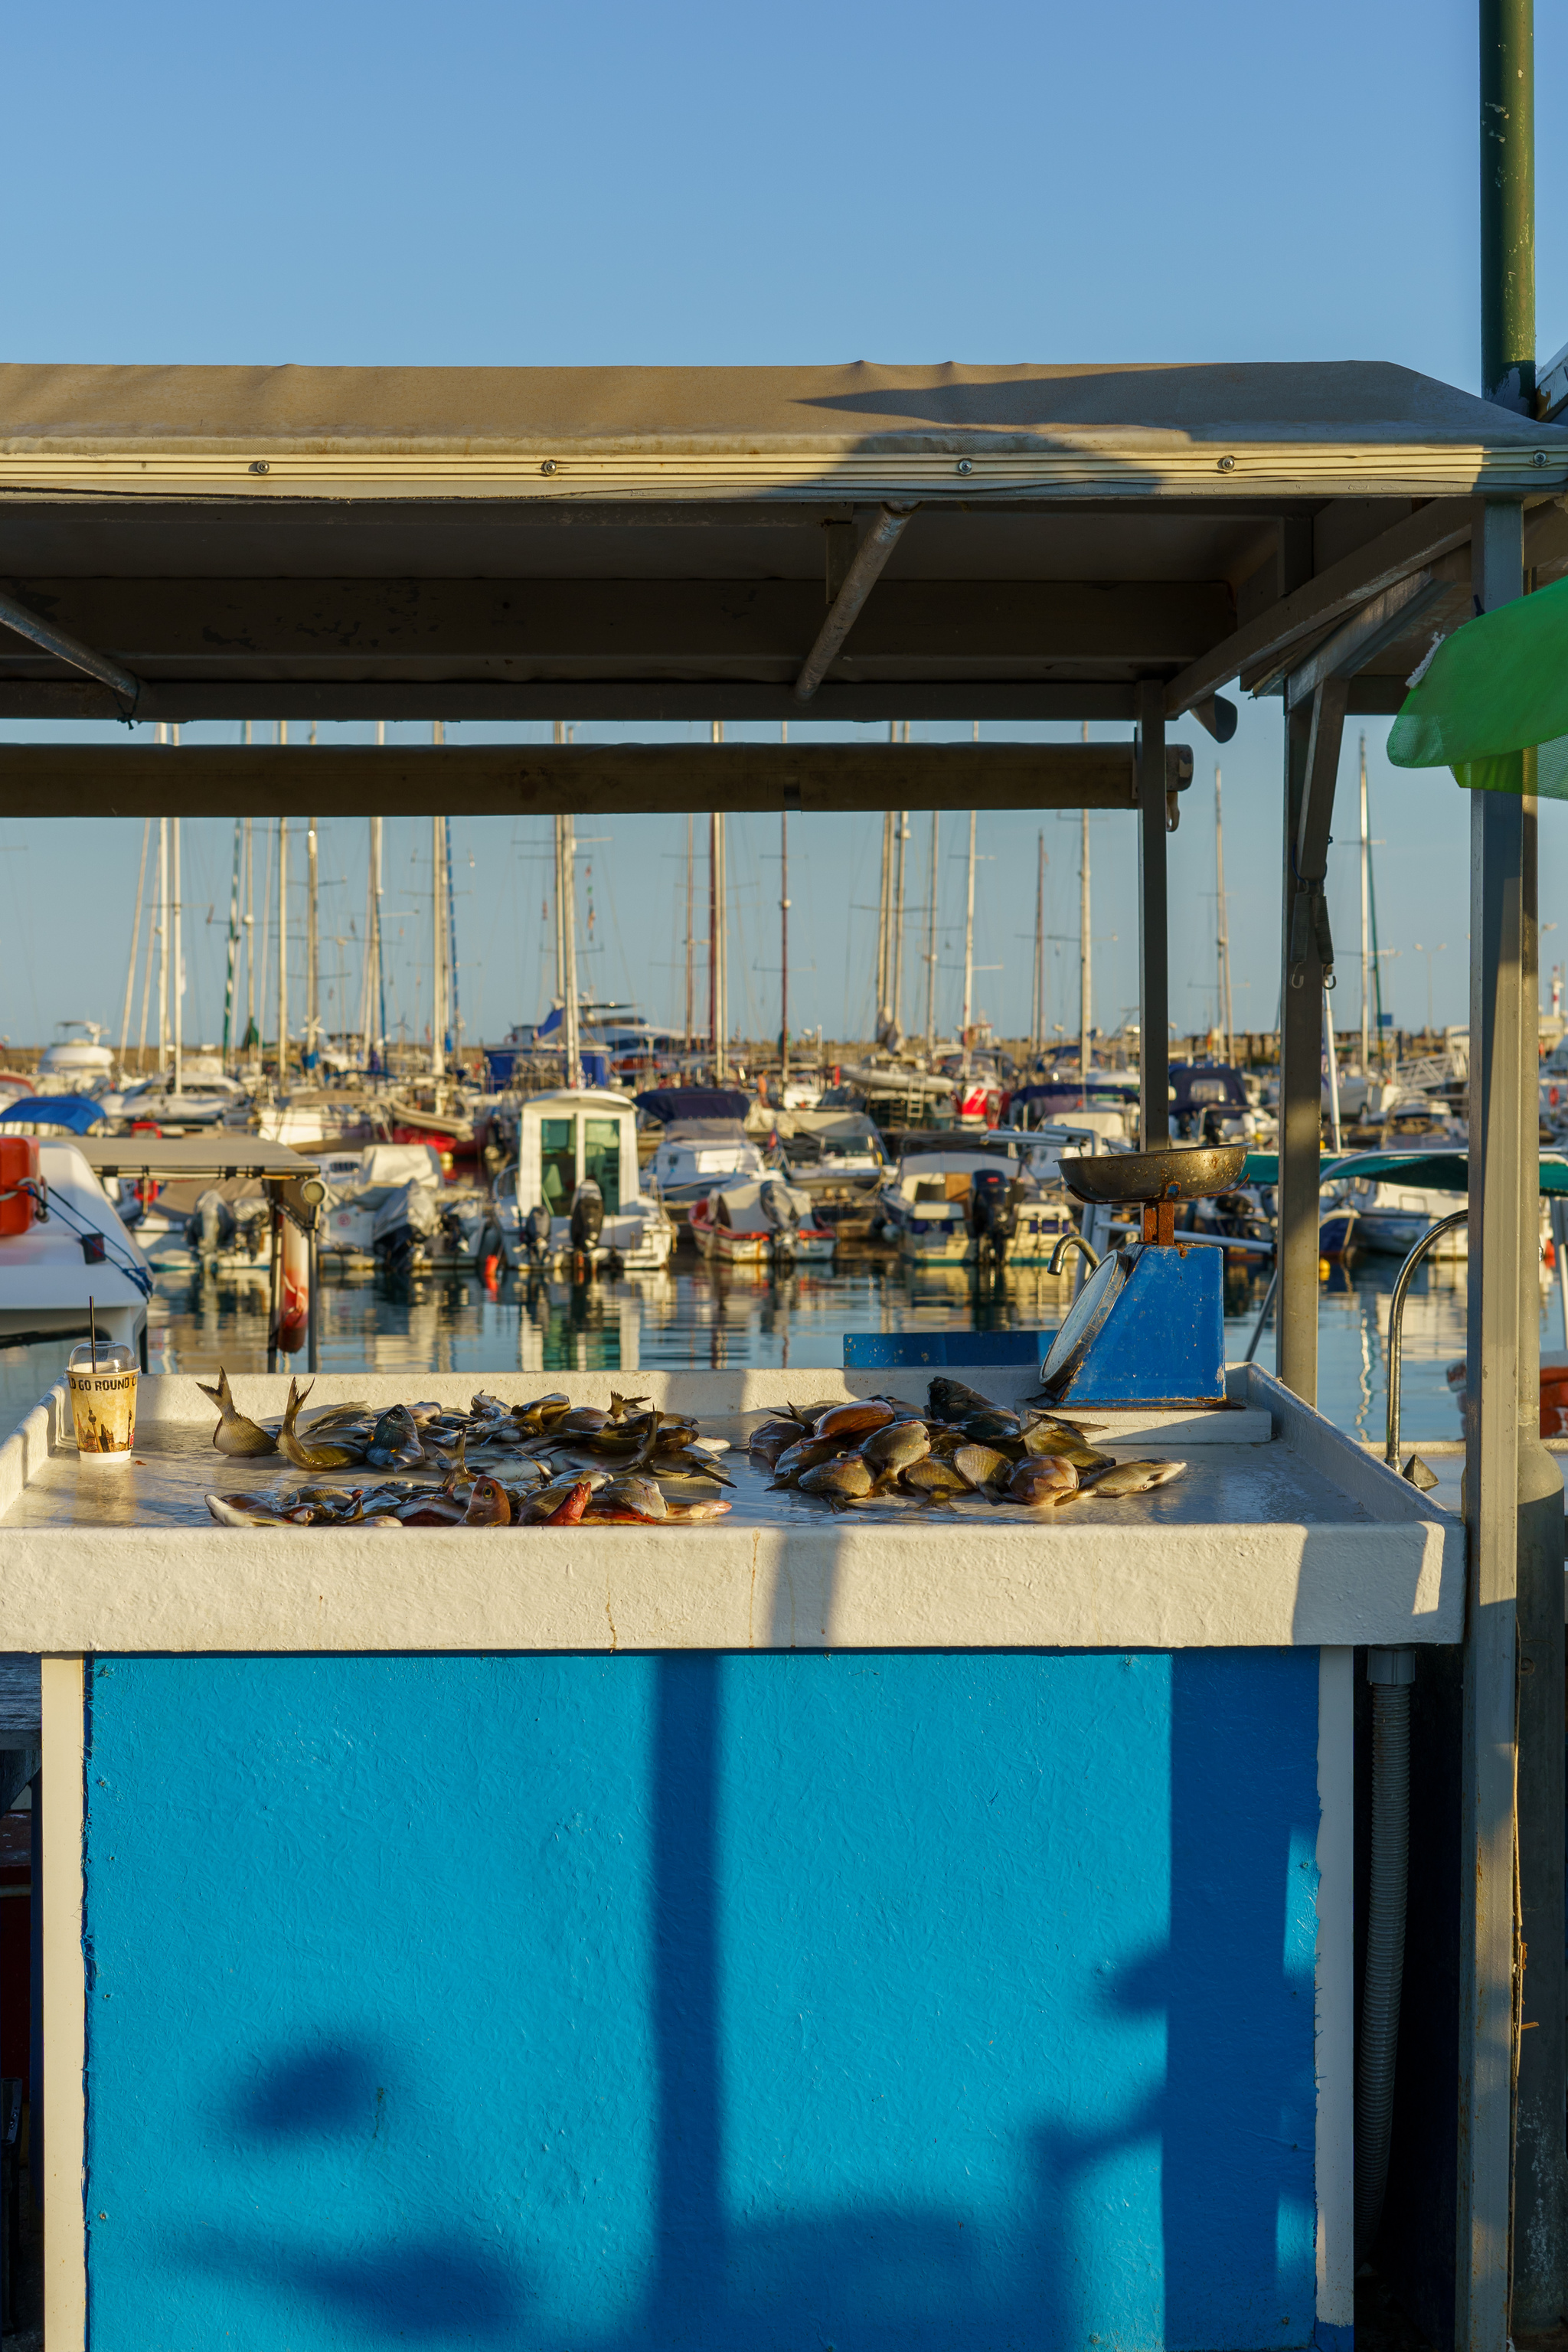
(695, 1315)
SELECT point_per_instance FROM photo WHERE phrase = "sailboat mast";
(1038, 1009)
(162, 942)
(930, 938)
(1365, 928)
(783, 934)
(690, 943)
(454, 1009)
(898, 921)
(252, 1033)
(969, 940)
(282, 945)
(135, 939)
(313, 950)
(1085, 1006)
(573, 1039)
(719, 946)
(1223, 1007)
(178, 959)
(233, 940)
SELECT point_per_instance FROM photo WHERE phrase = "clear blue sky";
(533, 186)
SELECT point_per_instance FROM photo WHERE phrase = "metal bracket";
(66, 649)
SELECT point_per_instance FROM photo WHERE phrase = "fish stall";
(775, 1858)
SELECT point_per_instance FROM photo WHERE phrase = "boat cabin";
(575, 1133)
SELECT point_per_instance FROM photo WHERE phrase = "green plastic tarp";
(1433, 1171)
(1492, 703)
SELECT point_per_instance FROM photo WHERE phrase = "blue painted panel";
(590, 2005)
(906, 1350)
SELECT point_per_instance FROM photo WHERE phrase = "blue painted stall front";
(733, 2001)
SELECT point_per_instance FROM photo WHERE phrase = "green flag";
(1494, 691)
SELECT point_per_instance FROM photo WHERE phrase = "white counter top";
(1280, 1533)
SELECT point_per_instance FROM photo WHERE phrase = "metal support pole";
(1300, 1089)
(1514, 1652)
(1508, 203)
(1154, 955)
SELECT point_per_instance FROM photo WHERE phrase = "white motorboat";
(759, 1221)
(361, 1185)
(317, 1118)
(579, 1196)
(940, 1206)
(77, 1251)
(205, 1096)
(693, 1154)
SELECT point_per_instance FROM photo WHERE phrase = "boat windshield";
(557, 1163)
(602, 1158)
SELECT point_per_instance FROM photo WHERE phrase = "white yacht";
(204, 1097)
(578, 1187)
(75, 1065)
(46, 1276)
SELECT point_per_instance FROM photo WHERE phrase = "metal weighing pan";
(1122, 1179)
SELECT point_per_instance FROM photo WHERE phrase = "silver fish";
(1131, 1477)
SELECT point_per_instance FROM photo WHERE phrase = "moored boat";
(578, 1195)
(757, 1221)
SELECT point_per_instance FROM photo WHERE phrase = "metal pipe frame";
(1402, 1282)
(1153, 947)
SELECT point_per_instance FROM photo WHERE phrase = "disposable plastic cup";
(103, 1400)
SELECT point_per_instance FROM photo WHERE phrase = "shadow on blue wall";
(1232, 2120)
(1238, 2255)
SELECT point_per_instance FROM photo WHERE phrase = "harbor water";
(697, 1315)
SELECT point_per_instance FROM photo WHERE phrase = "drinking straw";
(92, 1333)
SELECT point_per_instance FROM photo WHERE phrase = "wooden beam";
(506, 780)
(518, 630)
(1380, 622)
(1434, 531)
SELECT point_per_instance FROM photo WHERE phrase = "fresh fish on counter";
(1131, 1477)
(235, 1433)
(307, 1455)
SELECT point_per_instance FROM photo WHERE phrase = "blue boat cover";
(668, 1103)
(79, 1112)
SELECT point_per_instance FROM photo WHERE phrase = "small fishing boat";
(701, 1141)
(759, 1221)
(946, 1206)
(578, 1198)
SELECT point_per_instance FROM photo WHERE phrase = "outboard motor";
(773, 1200)
(992, 1215)
(587, 1223)
(210, 1227)
(536, 1234)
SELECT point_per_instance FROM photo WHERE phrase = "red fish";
(568, 1513)
(489, 1506)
